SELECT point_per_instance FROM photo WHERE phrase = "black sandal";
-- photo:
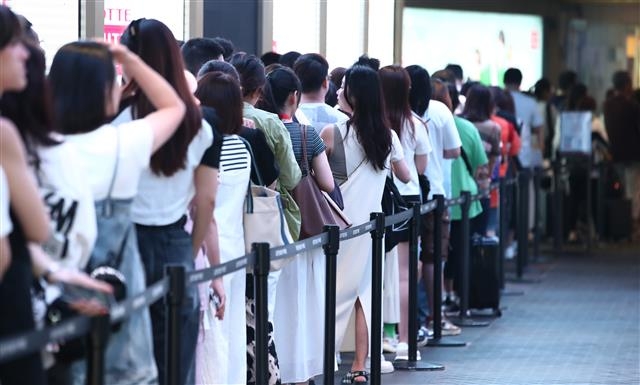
(350, 377)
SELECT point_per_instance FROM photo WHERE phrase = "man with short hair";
(198, 51)
(313, 70)
(529, 117)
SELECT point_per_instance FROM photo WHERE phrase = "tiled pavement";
(579, 325)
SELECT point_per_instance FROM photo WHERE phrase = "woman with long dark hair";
(176, 178)
(396, 86)
(221, 353)
(113, 156)
(367, 145)
(300, 291)
(28, 220)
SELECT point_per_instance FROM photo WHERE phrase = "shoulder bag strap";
(107, 209)
(305, 159)
(465, 158)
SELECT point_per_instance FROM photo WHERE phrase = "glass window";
(119, 13)
(55, 21)
(381, 19)
(345, 32)
(299, 33)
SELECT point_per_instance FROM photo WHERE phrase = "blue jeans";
(129, 356)
(159, 246)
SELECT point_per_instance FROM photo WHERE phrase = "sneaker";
(389, 344)
(385, 366)
(511, 250)
(338, 358)
(402, 352)
(448, 329)
(424, 334)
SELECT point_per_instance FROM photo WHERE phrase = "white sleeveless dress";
(362, 194)
(221, 353)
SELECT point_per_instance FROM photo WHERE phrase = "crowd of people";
(119, 173)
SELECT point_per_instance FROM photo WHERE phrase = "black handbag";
(393, 203)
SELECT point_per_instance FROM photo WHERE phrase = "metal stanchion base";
(493, 313)
(511, 293)
(466, 321)
(417, 366)
(446, 342)
(523, 279)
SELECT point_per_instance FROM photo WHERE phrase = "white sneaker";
(338, 358)
(511, 250)
(402, 352)
(389, 344)
(385, 366)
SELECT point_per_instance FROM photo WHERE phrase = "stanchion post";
(523, 221)
(537, 175)
(173, 301)
(412, 363)
(437, 267)
(589, 204)
(437, 278)
(377, 253)
(97, 343)
(557, 206)
(502, 228)
(261, 287)
(465, 263)
(600, 204)
(331, 254)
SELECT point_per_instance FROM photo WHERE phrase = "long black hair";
(396, 86)
(10, 28)
(363, 92)
(155, 44)
(82, 76)
(420, 92)
(281, 82)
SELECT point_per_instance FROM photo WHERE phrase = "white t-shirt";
(6, 226)
(527, 111)
(412, 145)
(163, 200)
(97, 155)
(444, 136)
(321, 114)
(70, 204)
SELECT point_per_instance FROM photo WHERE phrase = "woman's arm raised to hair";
(322, 172)
(206, 184)
(25, 199)
(170, 108)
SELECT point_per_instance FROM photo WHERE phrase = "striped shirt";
(234, 155)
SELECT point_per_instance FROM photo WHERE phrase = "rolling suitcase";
(484, 285)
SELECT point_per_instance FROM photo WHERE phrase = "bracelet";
(51, 269)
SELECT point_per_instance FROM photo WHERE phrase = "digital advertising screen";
(484, 44)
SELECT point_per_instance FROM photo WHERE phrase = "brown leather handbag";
(317, 209)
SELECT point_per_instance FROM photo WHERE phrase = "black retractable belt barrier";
(557, 206)
(97, 338)
(173, 301)
(377, 253)
(330, 253)
(261, 288)
(437, 278)
(465, 266)
(412, 363)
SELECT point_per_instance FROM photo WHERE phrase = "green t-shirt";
(460, 178)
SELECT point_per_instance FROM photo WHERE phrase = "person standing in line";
(222, 350)
(445, 143)
(396, 86)
(300, 292)
(622, 121)
(174, 180)
(367, 142)
(83, 80)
